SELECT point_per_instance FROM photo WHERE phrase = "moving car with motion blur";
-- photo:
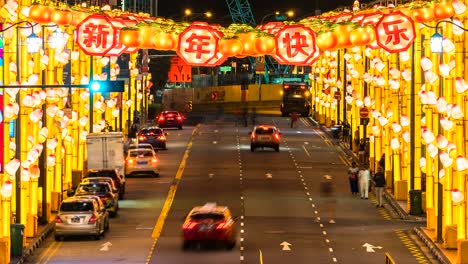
(141, 161)
(210, 223)
(81, 216)
(265, 136)
(170, 119)
(154, 136)
(104, 191)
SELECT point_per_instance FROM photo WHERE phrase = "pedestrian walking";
(364, 178)
(362, 151)
(253, 116)
(353, 178)
(327, 192)
(379, 183)
(294, 118)
(245, 116)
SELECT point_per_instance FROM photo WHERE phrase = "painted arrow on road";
(285, 246)
(105, 246)
(269, 175)
(370, 248)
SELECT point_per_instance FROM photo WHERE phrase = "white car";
(141, 161)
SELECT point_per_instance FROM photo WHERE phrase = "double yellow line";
(49, 252)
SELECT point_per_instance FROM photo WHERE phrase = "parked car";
(170, 119)
(111, 173)
(142, 161)
(209, 223)
(154, 136)
(81, 216)
(102, 179)
(264, 136)
(104, 191)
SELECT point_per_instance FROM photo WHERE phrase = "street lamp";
(33, 41)
(188, 12)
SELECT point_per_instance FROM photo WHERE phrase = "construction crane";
(242, 13)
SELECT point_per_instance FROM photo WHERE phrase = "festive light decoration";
(442, 142)
(427, 135)
(457, 196)
(395, 143)
(445, 159)
(462, 163)
(441, 173)
(7, 188)
(432, 149)
(12, 166)
(51, 160)
(396, 128)
(406, 136)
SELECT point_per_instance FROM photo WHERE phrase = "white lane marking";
(316, 212)
(321, 225)
(242, 217)
(307, 152)
(310, 199)
(335, 260)
(241, 258)
(324, 233)
(307, 193)
(326, 240)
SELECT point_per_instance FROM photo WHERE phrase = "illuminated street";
(275, 195)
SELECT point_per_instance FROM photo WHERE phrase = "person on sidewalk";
(353, 178)
(364, 178)
(379, 183)
(327, 192)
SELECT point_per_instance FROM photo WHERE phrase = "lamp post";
(437, 41)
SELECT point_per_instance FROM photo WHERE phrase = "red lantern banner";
(295, 44)
(96, 35)
(395, 32)
(198, 45)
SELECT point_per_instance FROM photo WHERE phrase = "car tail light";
(169, 115)
(142, 138)
(58, 220)
(222, 225)
(286, 86)
(154, 160)
(162, 137)
(189, 225)
(161, 118)
(277, 136)
(179, 118)
(130, 161)
(92, 220)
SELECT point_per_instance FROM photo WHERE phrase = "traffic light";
(107, 86)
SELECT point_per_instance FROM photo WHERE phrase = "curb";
(435, 251)
(35, 243)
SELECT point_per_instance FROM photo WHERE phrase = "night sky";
(303, 8)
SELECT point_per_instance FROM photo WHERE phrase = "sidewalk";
(428, 237)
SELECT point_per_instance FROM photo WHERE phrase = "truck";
(106, 151)
(296, 97)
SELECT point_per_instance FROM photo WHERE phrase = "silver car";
(81, 216)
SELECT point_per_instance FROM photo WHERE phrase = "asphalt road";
(282, 216)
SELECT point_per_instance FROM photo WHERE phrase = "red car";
(170, 119)
(209, 223)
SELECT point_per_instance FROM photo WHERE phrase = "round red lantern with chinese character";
(395, 32)
(198, 45)
(96, 35)
(295, 44)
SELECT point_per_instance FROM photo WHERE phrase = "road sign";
(364, 112)
(364, 121)
(338, 95)
(179, 70)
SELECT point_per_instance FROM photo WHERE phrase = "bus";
(296, 98)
